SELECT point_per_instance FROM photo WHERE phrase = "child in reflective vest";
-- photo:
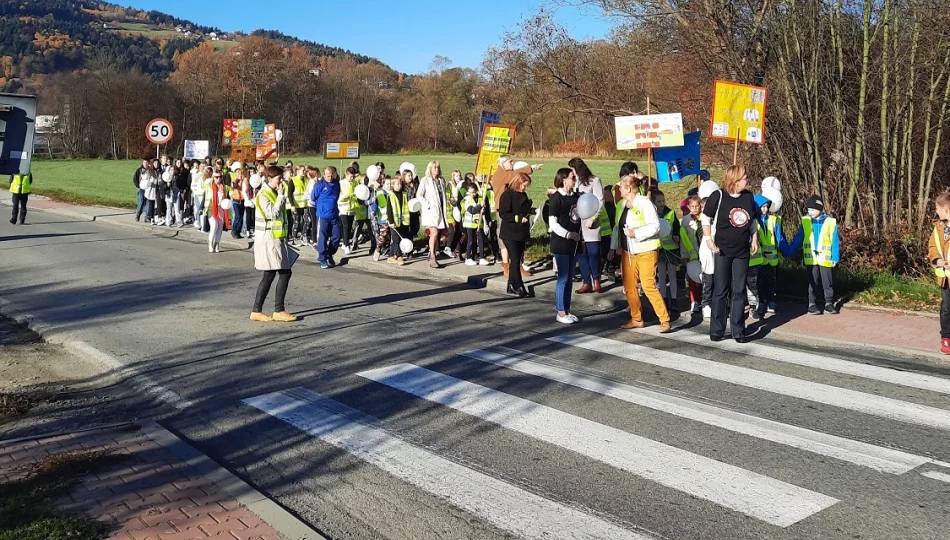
(691, 234)
(817, 238)
(937, 254)
(669, 253)
(758, 263)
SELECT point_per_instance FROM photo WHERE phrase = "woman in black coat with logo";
(514, 209)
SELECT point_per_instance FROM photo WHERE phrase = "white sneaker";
(483, 262)
(447, 251)
(573, 317)
(346, 250)
(771, 308)
(471, 262)
(526, 267)
(707, 312)
(210, 248)
(569, 319)
(217, 248)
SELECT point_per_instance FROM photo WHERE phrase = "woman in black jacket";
(514, 208)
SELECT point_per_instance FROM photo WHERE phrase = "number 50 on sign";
(159, 131)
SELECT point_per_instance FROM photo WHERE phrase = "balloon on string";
(772, 182)
(587, 206)
(520, 165)
(456, 215)
(405, 245)
(707, 188)
(226, 204)
(665, 228)
(695, 271)
(372, 172)
(415, 205)
(361, 192)
(256, 181)
(407, 166)
(775, 196)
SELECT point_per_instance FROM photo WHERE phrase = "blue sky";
(408, 33)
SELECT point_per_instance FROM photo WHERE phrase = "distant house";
(48, 138)
(315, 72)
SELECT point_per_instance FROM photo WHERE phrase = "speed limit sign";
(159, 131)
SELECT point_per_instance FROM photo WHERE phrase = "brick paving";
(151, 495)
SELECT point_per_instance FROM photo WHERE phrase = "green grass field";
(109, 183)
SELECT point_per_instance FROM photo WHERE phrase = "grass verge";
(27, 510)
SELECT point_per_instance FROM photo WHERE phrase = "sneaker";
(324, 265)
(695, 308)
(470, 262)
(210, 248)
(448, 252)
(665, 328)
(331, 262)
(755, 314)
(400, 261)
(391, 260)
(346, 250)
(834, 310)
(945, 346)
(217, 248)
(707, 311)
(377, 256)
(632, 324)
(813, 310)
(566, 320)
(771, 308)
(573, 317)
(13, 221)
(483, 262)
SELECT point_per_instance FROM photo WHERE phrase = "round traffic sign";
(159, 131)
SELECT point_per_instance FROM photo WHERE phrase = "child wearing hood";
(817, 238)
(756, 281)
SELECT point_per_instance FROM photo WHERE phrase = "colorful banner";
(197, 149)
(488, 117)
(243, 132)
(342, 150)
(497, 140)
(675, 163)
(649, 131)
(244, 154)
(739, 111)
(267, 149)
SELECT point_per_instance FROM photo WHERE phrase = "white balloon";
(772, 182)
(587, 206)
(707, 188)
(226, 204)
(362, 192)
(256, 181)
(457, 215)
(372, 172)
(694, 269)
(665, 228)
(236, 166)
(405, 245)
(407, 166)
(520, 165)
(279, 135)
(415, 205)
(775, 196)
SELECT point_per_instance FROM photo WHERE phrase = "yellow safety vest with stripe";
(821, 254)
(938, 241)
(489, 198)
(300, 188)
(638, 220)
(605, 228)
(469, 220)
(206, 199)
(400, 203)
(22, 184)
(275, 226)
(688, 249)
(767, 245)
(667, 241)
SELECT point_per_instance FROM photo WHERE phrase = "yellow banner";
(739, 111)
(497, 140)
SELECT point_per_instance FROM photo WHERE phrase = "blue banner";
(488, 117)
(674, 164)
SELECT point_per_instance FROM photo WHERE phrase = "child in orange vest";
(937, 254)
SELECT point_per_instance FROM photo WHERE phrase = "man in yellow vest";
(20, 188)
(817, 238)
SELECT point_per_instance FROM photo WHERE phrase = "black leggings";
(264, 288)
(515, 254)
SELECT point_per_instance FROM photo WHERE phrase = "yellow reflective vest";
(667, 242)
(819, 255)
(275, 226)
(399, 203)
(22, 184)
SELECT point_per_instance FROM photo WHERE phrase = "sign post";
(159, 131)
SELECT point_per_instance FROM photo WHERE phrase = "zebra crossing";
(776, 502)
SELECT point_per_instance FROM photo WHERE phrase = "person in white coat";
(271, 254)
(590, 259)
(148, 182)
(432, 194)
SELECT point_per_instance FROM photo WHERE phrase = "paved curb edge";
(285, 523)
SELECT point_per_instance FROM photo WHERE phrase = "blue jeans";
(139, 204)
(198, 210)
(330, 232)
(590, 262)
(565, 275)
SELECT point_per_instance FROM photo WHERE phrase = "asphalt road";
(418, 410)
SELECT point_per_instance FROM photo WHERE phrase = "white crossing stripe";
(893, 409)
(508, 507)
(935, 475)
(867, 455)
(801, 358)
(770, 500)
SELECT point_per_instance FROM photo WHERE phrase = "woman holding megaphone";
(636, 238)
(270, 246)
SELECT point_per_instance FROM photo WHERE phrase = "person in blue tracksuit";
(817, 238)
(325, 196)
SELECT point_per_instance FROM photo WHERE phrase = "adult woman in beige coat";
(432, 194)
(270, 246)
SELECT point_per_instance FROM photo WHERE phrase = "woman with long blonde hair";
(434, 206)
